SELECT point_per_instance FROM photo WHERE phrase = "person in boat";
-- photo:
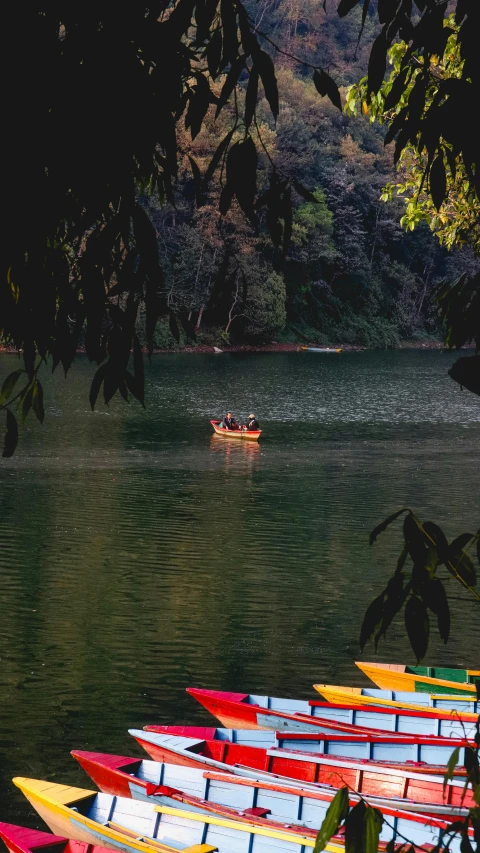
(229, 422)
(252, 423)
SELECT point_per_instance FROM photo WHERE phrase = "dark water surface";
(140, 555)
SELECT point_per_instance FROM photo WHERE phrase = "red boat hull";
(309, 767)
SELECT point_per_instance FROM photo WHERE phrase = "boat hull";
(248, 711)
(237, 434)
(311, 768)
(414, 679)
(363, 778)
(399, 699)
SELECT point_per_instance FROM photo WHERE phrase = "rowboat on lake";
(129, 777)
(424, 679)
(245, 434)
(246, 711)
(398, 699)
(320, 349)
(425, 754)
(319, 770)
(135, 826)
(132, 826)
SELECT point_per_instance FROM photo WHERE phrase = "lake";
(140, 554)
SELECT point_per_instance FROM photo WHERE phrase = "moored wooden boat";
(243, 710)
(427, 754)
(126, 777)
(317, 769)
(321, 349)
(20, 839)
(398, 699)
(245, 434)
(422, 679)
(131, 826)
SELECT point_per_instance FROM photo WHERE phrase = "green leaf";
(438, 181)
(373, 824)
(325, 85)
(197, 181)
(11, 435)
(217, 157)
(27, 401)
(415, 540)
(384, 524)
(438, 537)
(355, 829)
(266, 69)
(9, 385)
(38, 401)
(139, 372)
(251, 97)
(372, 620)
(336, 813)
(435, 598)
(305, 193)
(230, 82)
(96, 385)
(451, 764)
(417, 624)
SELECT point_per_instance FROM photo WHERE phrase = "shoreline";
(275, 347)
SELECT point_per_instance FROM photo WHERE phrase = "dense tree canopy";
(105, 111)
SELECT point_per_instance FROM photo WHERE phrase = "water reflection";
(141, 554)
(237, 454)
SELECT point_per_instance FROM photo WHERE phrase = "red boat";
(19, 839)
(121, 776)
(312, 768)
(247, 711)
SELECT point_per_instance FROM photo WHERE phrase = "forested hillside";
(351, 274)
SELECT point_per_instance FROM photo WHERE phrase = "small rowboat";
(125, 777)
(427, 754)
(133, 826)
(245, 434)
(320, 349)
(398, 699)
(423, 679)
(245, 711)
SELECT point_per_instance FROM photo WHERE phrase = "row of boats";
(263, 782)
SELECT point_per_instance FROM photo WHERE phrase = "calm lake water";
(140, 555)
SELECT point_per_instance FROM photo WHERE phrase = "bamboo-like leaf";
(372, 620)
(9, 385)
(451, 764)
(11, 435)
(96, 385)
(417, 624)
(384, 524)
(37, 402)
(336, 813)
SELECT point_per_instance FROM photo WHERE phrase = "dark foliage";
(421, 590)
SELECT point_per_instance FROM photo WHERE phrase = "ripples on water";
(139, 554)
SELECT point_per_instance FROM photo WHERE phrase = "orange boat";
(246, 434)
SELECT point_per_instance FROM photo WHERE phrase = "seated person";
(229, 422)
(252, 423)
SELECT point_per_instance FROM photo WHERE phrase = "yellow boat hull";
(54, 803)
(353, 695)
(401, 677)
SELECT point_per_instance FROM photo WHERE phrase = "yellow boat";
(422, 679)
(357, 696)
(126, 825)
